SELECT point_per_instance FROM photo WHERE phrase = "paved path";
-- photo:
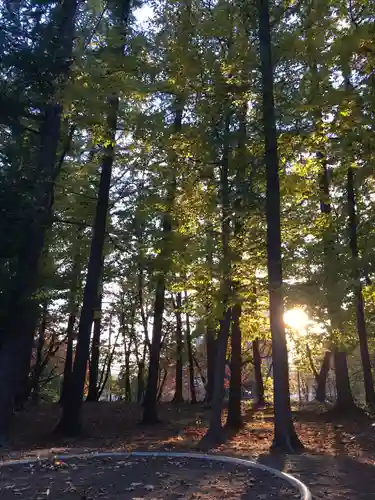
(138, 478)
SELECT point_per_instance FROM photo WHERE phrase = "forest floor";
(338, 463)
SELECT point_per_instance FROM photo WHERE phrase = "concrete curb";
(303, 489)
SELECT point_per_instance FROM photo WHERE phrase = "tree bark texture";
(285, 436)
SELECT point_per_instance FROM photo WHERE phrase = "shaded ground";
(140, 478)
(338, 463)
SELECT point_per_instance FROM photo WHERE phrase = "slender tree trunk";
(234, 419)
(38, 368)
(68, 366)
(150, 399)
(210, 335)
(214, 433)
(333, 304)
(321, 379)
(140, 381)
(210, 356)
(178, 397)
(162, 384)
(22, 307)
(73, 305)
(260, 401)
(190, 354)
(285, 436)
(93, 394)
(360, 309)
(70, 423)
(128, 390)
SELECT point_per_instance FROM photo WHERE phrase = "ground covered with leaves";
(140, 478)
(338, 462)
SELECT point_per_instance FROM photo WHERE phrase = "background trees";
(201, 157)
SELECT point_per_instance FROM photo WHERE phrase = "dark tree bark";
(214, 433)
(178, 396)
(332, 296)
(234, 419)
(210, 335)
(359, 303)
(73, 306)
(344, 393)
(93, 391)
(190, 354)
(210, 356)
(140, 381)
(260, 401)
(321, 378)
(38, 368)
(150, 399)
(70, 423)
(22, 310)
(128, 344)
(285, 436)
(162, 381)
(68, 366)
(128, 390)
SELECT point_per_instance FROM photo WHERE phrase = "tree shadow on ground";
(334, 478)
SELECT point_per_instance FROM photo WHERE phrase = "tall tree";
(285, 436)
(164, 261)
(189, 353)
(178, 396)
(70, 423)
(359, 303)
(214, 432)
(56, 45)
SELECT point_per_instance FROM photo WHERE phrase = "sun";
(296, 319)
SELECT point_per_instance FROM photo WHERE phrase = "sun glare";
(296, 319)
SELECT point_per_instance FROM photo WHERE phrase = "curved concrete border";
(303, 489)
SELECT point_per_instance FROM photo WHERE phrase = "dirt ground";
(338, 462)
(140, 478)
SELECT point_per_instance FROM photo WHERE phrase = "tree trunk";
(128, 390)
(210, 357)
(93, 393)
(178, 396)
(150, 399)
(70, 423)
(25, 355)
(22, 308)
(333, 304)
(260, 401)
(68, 366)
(140, 381)
(214, 433)
(38, 367)
(234, 419)
(73, 305)
(285, 436)
(359, 303)
(321, 379)
(344, 393)
(161, 385)
(210, 336)
(190, 354)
